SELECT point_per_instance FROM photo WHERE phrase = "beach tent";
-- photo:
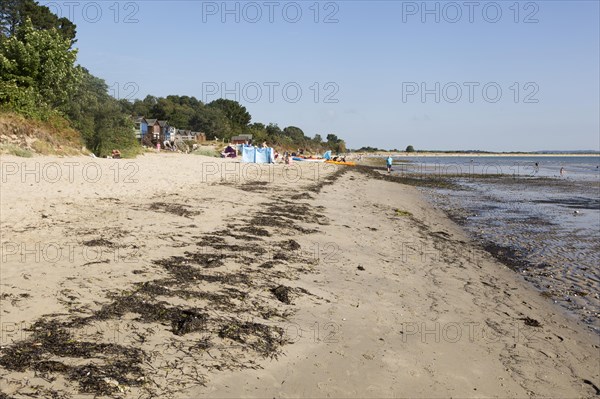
(327, 155)
(253, 154)
(230, 152)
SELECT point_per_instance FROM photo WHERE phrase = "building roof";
(242, 137)
(163, 123)
(151, 121)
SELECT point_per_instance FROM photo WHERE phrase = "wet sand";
(545, 229)
(184, 276)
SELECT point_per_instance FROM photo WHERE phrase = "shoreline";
(247, 268)
(475, 155)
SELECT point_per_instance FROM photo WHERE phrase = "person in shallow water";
(388, 162)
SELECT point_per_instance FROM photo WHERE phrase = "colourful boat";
(300, 159)
(342, 163)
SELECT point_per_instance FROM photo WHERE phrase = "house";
(153, 129)
(164, 131)
(141, 127)
(200, 137)
(188, 135)
(171, 131)
(241, 139)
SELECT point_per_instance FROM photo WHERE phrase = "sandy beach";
(182, 276)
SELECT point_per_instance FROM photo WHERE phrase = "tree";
(274, 133)
(258, 132)
(9, 17)
(318, 139)
(14, 13)
(410, 148)
(332, 139)
(41, 60)
(99, 117)
(295, 133)
(213, 122)
(235, 113)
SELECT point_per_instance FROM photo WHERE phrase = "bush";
(15, 150)
(207, 152)
(410, 148)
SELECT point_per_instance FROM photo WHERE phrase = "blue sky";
(359, 68)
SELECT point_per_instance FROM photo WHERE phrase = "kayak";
(308, 159)
(342, 163)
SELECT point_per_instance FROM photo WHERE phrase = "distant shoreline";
(473, 155)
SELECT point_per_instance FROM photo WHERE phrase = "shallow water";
(547, 226)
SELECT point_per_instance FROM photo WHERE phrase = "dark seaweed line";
(122, 366)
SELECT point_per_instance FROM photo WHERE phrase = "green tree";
(258, 132)
(14, 13)
(410, 148)
(235, 113)
(274, 133)
(295, 133)
(213, 122)
(100, 118)
(42, 61)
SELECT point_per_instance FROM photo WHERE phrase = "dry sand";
(183, 276)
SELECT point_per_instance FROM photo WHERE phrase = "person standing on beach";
(388, 162)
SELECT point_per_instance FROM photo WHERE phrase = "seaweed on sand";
(99, 242)
(269, 264)
(294, 212)
(120, 365)
(328, 180)
(422, 180)
(531, 322)
(507, 255)
(263, 339)
(186, 273)
(290, 245)
(161, 288)
(182, 321)
(257, 231)
(279, 222)
(189, 321)
(254, 186)
(236, 250)
(176, 209)
(282, 293)
(302, 196)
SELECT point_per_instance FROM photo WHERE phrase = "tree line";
(39, 79)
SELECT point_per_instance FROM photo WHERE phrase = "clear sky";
(498, 76)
